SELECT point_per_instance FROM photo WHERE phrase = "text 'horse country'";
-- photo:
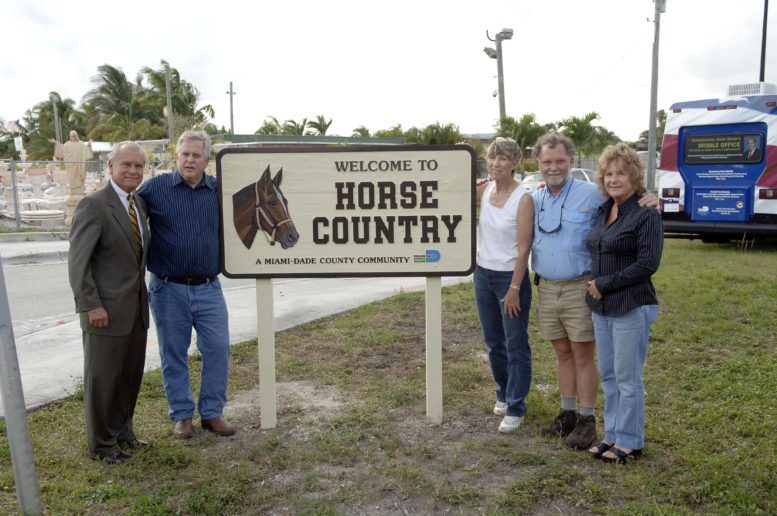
(261, 205)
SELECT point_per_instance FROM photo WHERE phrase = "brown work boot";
(584, 433)
(218, 425)
(562, 426)
(184, 428)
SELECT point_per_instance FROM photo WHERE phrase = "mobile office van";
(718, 175)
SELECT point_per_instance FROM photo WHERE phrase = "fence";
(36, 193)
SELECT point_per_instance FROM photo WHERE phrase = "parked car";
(535, 181)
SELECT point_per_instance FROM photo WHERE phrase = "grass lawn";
(352, 436)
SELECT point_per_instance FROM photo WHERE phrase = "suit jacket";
(104, 265)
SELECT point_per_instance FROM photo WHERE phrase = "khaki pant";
(562, 312)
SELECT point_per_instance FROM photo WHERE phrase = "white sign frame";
(411, 220)
(434, 186)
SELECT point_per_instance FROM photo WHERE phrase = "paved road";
(49, 344)
(41, 297)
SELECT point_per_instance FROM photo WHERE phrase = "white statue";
(75, 153)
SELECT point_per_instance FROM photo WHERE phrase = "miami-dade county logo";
(261, 205)
(431, 256)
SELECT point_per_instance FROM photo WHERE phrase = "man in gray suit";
(106, 264)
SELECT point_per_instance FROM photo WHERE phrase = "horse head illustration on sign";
(262, 206)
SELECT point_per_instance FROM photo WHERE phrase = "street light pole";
(500, 36)
(651, 162)
(500, 77)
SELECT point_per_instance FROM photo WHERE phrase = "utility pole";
(170, 135)
(57, 125)
(651, 162)
(231, 112)
(763, 42)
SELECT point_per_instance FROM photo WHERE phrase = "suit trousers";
(113, 371)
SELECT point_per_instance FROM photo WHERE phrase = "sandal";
(622, 457)
(600, 449)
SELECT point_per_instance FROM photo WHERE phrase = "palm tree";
(605, 137)
(438, 134)
(6, 141)
(183, 96)
(525, 131)
(117, 109)
(271, 125)
(583, 134)
(320, 125)
(361, 131)
(117, 127)
(38, 125)
(391, 132)
(413, 135)
(292, 127)
(660, 124)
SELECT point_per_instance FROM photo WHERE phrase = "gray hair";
(198, 136)
(506, 147)
(551, 140)
(130, 145)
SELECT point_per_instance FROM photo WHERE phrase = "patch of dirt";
(459, 465)
(302, 408)
(300, 396)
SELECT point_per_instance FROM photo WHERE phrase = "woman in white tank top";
(501, 281)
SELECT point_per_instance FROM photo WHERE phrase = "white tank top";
(498, 231)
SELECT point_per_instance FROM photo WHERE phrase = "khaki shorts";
(562, 312)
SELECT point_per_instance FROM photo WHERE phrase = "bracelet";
(515, 286)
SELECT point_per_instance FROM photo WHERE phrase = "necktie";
(134, 223)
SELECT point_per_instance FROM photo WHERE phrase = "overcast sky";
(378, 64)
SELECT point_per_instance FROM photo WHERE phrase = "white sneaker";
(500, 409)
(510, 424)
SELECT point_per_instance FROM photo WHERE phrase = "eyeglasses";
(561, 213)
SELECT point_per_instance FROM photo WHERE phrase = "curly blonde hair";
(630, 161)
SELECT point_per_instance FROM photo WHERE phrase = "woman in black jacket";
(625, 246)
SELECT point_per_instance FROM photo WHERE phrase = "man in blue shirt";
(564, 213)
(184, 291)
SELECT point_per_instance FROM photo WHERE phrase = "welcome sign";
(347, 211)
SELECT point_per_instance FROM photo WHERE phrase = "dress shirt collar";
(567, 186)
(624, 208)
(121, 193)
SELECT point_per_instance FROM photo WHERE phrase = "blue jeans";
(621, 344)
(177, 309)
(507, 339)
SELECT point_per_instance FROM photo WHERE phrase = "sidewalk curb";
(47, 257)
(34, 236)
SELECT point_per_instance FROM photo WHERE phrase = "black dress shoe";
(113, 458)
(135, 444)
